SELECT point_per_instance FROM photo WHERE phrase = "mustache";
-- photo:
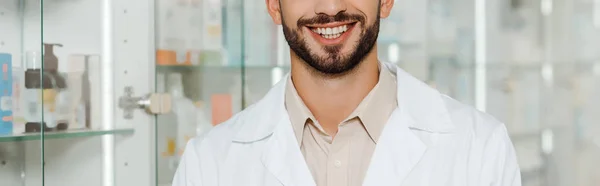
(324, 19)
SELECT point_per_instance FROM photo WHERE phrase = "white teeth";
(331, 36)
(335, 30)
(331, 33)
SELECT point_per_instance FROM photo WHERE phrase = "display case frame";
(122, 32)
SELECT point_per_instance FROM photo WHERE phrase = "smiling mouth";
(332, 32)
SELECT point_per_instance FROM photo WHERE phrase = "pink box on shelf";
(221, 108)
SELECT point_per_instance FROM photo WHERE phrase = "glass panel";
(52, 135)
(541, 89)
(267, 52)
(432, 40)
(199, 62)
(404, 36)
(71, 91)
(550, 113)
(20, 39)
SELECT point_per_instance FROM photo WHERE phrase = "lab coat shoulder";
(206, 157)
(468, 119)
(487, 143)
(202, 154)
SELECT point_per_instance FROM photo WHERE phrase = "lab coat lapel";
(398, 151)
(283, 159)
(281, 156)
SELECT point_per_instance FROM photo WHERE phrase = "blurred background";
(107, 92)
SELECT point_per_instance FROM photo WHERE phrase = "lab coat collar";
(399, 149)
(419, 101)
(282, 157)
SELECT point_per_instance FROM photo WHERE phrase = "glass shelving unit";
(84, 137)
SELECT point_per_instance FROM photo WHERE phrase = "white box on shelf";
(94, 70)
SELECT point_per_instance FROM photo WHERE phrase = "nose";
(330, 7)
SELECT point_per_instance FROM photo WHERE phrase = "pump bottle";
(42, 83)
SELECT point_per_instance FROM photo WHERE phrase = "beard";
(333, 62)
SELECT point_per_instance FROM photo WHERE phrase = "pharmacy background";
(107, 92)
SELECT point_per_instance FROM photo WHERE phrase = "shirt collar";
(297, 110)
(373, 111)
(379, 104)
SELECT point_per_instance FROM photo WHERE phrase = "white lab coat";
(430, 140)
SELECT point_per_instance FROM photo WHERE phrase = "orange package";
(169, 57)
(166, 57)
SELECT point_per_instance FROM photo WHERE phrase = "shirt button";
(337, 163)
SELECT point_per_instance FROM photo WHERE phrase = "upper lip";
(329, 25)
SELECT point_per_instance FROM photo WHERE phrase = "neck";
(331, 99)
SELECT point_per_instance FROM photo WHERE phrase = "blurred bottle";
(184, 110)
(40, 95)
(211, 30)
(203, 124)
(166, 137)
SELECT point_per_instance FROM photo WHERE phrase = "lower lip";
(335, 41)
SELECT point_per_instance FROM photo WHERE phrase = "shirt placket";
(337, 160)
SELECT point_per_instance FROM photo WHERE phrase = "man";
(342, 118)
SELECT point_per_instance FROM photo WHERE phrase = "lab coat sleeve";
(189, 171)
(502, 164)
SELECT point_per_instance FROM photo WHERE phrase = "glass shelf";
(63, 134)
(201, 67)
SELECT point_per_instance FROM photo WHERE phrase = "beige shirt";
(343, 160)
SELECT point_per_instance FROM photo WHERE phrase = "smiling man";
(342, 118)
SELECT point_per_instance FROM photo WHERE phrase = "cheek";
(291, 22)
(370, 8)
(292, 11)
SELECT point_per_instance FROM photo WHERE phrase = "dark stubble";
(333, 63)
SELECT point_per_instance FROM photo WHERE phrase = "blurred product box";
(221, 108)
(76, 105)
(189, 32)
(171, 57)
(18, 108)
(6, 124)
(83, 106)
